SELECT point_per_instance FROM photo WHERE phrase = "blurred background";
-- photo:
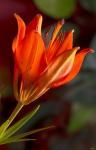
(72, 107)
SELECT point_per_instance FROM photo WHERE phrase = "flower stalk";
(11, 118)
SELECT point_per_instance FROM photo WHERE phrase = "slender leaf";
(13, 140)
(14, 128)
(23, 135)
(2, 128)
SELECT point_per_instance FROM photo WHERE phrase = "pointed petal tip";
(72, 30)
(18, 18)
(77, 48)
(62, 21)
(39, 16)
(91, 50)
(40, 19)
(16, 15)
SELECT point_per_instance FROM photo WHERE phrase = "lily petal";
(21, 32)
(29, 55)
(35, 24)
(67, 42)
(61, 43)
(52, 51)
(75, 69)
(63, 63)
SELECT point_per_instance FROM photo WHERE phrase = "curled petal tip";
(91, 50)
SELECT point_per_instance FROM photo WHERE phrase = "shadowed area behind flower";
(60, 104)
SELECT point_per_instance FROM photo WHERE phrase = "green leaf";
(2, 128)
(23, 135)
(14, 128)
(56, 8)
(89, 4)
(80, 117)
(13, 140)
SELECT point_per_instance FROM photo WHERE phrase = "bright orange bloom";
(38, 68)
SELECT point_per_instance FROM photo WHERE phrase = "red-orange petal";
(35, 24)
(67, 42)
(61, 43)
(51, 51)
(30, 54)
(21, 32)
(75, 69)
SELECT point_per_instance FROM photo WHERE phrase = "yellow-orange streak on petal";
(62, 64)
(75, 69)
(35, 24)
(56, 30)
(21, 32)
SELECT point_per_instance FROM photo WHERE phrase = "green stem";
(15, 113)
(12, 117)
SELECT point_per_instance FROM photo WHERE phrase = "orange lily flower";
(38, 68)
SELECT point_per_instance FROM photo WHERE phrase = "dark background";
(70, 107)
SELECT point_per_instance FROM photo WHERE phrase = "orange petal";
(62, 43)
(38, 61)
(67, 42)
(75, 69)
(30, 54)
(35, 24)
(62, 63)
(21, 32)
(52, 51)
